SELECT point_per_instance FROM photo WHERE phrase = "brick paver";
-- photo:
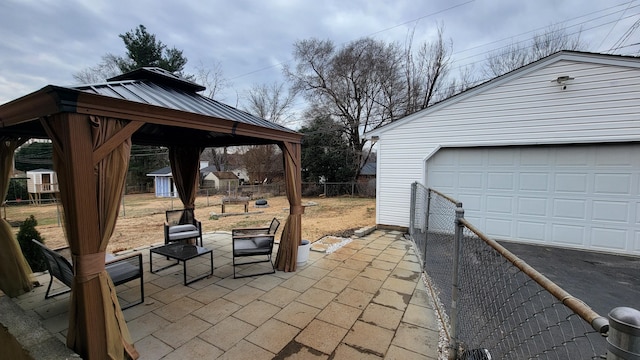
(367, 300)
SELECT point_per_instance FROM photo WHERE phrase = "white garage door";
(572, 196)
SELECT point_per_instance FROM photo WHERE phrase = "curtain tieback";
(297, 210)
(88, 266)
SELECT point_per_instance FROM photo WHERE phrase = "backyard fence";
(492, 302)
(333, 189)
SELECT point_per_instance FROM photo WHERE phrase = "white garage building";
(546, 154)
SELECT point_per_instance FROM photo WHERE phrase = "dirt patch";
(141, 218)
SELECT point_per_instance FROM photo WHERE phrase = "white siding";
(527, 107)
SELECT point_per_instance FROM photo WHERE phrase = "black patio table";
(181, 252)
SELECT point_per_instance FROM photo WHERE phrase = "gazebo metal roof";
(150, 91)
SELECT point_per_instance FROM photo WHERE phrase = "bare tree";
(517, 55)
(359, 85)
(271, 102)
(107, 68)
(426, 72)
(263, 163)
(212, 78)
(218, 157)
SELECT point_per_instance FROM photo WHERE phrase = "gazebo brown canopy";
(92, 128)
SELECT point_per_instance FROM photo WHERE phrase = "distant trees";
(37, 155)
(517, 55)
(368, 83)
(358, 85)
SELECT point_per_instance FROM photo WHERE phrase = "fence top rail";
(599, 323)
(448, 198)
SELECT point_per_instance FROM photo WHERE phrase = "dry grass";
(142, 217)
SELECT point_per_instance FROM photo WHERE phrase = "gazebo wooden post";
(72, 137)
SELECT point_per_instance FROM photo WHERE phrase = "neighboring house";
(41, 181)
(221, 180)
(367, 179)
(368, 172)
(546, 154)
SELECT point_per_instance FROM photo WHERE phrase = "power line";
(371, 34)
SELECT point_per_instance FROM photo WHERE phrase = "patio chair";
(181, 225)
(120, 269)
(256, 243)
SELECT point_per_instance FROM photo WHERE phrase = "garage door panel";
(469, 158)
(498, 227)
(571, 157)
(569, 209)
(612, 184)
(442, 179)
(501, 158)
(534, 182)
(567, 234)
(531, 206)
(499, 204)
(535, 157)
(571, 182)
(609, 238)
(531, 230)
(500, 181)
(610, 211)
(612, 157)
(636, 246)
(471, 202)
(470, 180)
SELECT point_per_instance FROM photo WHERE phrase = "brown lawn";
(141, 218)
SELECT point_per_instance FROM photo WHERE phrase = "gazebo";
(92, 128)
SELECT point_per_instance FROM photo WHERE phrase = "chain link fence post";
(457, 246)
(426, 227)
(624, 334)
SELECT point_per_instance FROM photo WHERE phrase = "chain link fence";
(333, 189)
(493, 305)
(432, 228)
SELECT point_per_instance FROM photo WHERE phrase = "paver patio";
(366, 300)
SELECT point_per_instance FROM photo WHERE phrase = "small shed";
(546, 154)
(41, 182)
(163, 182)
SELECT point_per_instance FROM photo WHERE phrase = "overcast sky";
(45, 41)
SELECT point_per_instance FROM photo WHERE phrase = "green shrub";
(31, 251)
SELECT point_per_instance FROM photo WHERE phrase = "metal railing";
(492, 302)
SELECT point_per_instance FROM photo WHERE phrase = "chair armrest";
(125, 268)
(249, 231)
(119, 258)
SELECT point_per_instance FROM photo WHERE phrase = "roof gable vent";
(159, 76)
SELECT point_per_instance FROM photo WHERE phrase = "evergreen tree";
(31, 251)
(326, 154)
(144, 50)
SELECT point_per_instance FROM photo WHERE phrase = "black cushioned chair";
(182, 225)
(256, 243)
(120, 269)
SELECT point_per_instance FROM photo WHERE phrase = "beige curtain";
(15, 273)
(185, 169)
(91, 190)
(292, 233)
